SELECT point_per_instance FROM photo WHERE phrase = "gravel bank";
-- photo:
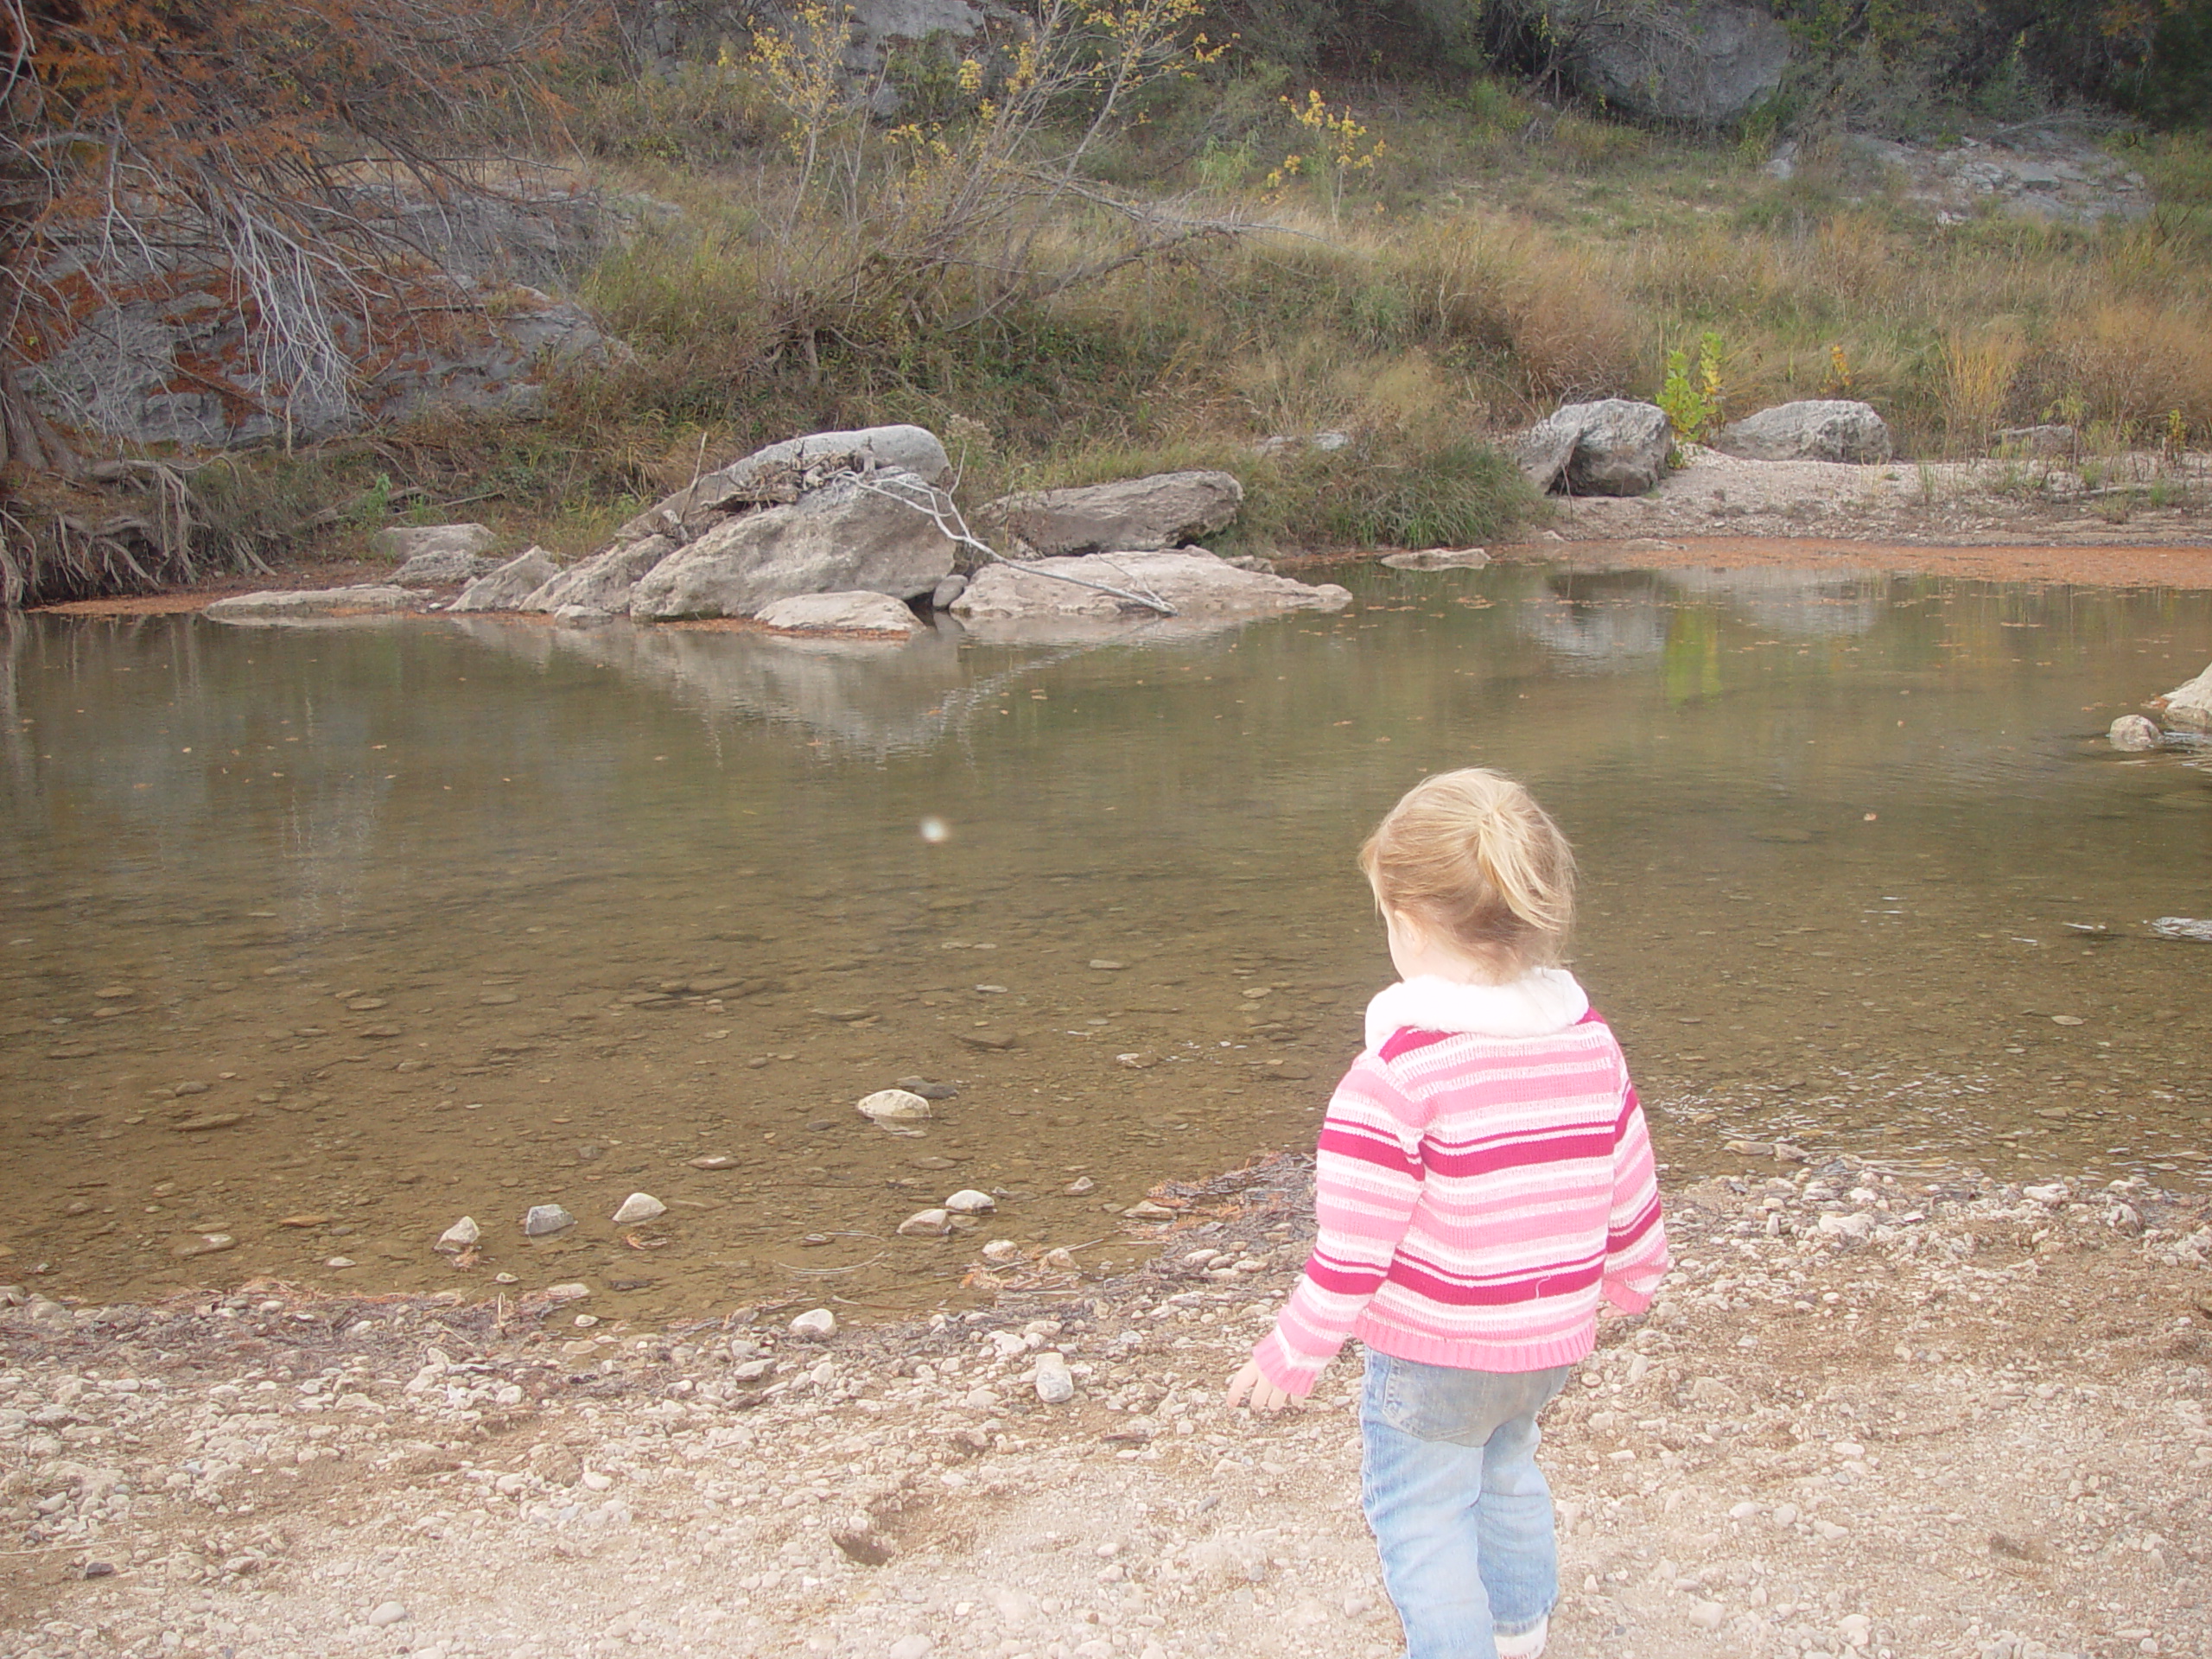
(1873, 1414)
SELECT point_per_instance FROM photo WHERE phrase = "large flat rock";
(314, 604)
(1016, 599)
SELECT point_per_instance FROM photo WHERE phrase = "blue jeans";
(1460, 1511)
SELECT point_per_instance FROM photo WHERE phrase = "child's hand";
(1265, 1395)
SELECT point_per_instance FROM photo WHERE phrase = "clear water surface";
(320, 938)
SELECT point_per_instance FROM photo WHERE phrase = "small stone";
(206, 1244)
(639, 1207)
(339, 1262)
(1060, 1261)
(1055, 1382)
(970, 1202)
(752, 1370)
(1081, 1184)
(1141, 1060)
(1856, 1629)
(183, 1089)
(916, 1646)
(386, 1612)
(1785, 1515)
(869, 1551)
(568, 1293)
(1707, 1615)
(1104, 966)
(546, 1218)
(927, 1223)
(990, 1039)
(928, 1090)
(208, 1121)
(2135, 733)
(1002, 1252)
(592, 1481)
(459, 1237)
(715, 1160)
(1146, 1210)
(893, 1106)
(1833, 1533)
(506, 1279)
(816, 1325)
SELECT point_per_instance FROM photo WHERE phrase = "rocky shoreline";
(1874, 1412)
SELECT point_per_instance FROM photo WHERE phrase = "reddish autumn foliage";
(258, 146)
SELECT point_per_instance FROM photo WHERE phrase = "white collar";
(1541, 1002)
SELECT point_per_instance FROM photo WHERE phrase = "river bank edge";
(1872, 1411)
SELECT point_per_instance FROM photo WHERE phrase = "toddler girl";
(1484, 1177)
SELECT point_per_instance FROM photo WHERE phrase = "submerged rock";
(2136, 733)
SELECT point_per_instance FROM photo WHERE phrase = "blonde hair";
(1471, 858)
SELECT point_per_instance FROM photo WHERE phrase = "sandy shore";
(1871, 1414)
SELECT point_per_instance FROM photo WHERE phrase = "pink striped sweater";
(1484, 1176)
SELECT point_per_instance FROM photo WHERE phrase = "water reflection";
(319, 939)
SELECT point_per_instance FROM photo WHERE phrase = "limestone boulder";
(508, 587)
(779, 474)
(1202, 588)
(603, 583)
(436, 553)
(841, 538)
(1822, 429)
(311, 604)
(853, 612)
(1703, 62)
(1613, 447)
(2189, 706)
(1132, 515)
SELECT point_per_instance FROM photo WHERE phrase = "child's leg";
(1461, 1515)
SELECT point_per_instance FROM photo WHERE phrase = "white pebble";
(816, 1325)
(639, 1207)
(970, 1202)
(386, 1612)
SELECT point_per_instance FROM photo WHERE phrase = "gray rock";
(2136, 733)
(2189, 705)
(855, 613)
(1613, 447)
(1198, 584)
(1055, 1382)
(141, 369)
(428, 551)
(1707, 63)
(1136, 515)
(508, 587)
(546, 1218)
(305, 604)
(779, 475)
(1829, 428)
(2046, 440)
(459, 1237)
(893, 1106)
(839, 538)
(948, 590)
(639, 1207)
(603, 581)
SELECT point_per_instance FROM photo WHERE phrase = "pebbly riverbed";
(1875, 1412)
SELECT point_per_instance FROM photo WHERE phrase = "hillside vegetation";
(1122, 244)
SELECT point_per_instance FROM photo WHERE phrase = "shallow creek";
(320, 938)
